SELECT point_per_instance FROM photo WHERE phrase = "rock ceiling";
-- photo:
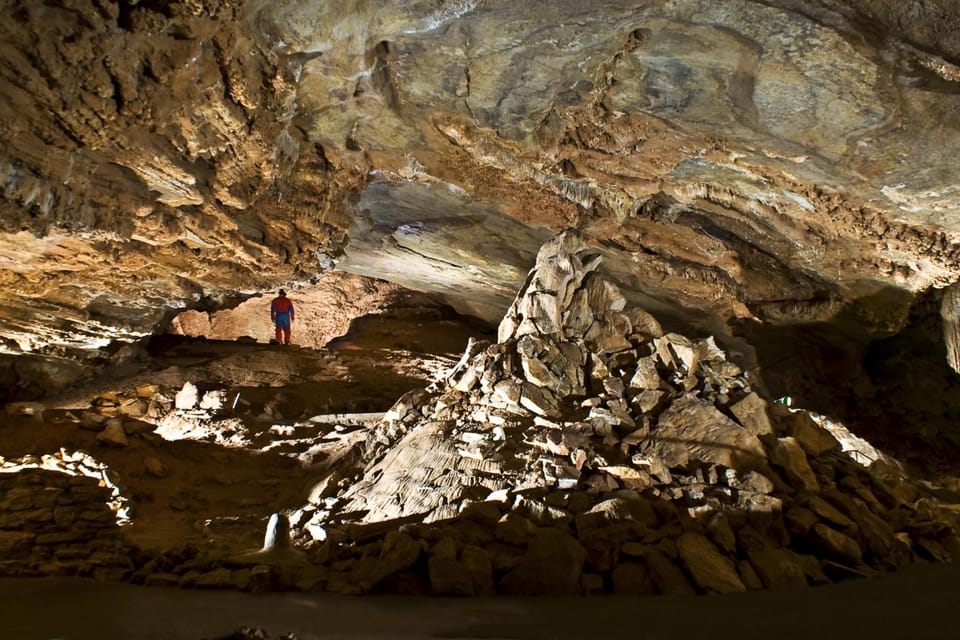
(771, 163)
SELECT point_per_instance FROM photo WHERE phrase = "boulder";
(633, 578)
(711, 570)
(692, 429)
(835, 545)
(155, 467)
(113, 434)
(751, 412)
(667, 577)
(551, 566)
(789, 456)
(778, 567)
(815, 440)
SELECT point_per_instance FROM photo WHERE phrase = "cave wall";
(781, 165)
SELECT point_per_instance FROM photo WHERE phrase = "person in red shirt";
(282, 314)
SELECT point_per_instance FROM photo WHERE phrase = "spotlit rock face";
(759, 161)
(587, 452)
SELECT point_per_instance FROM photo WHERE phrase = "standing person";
(282, 314)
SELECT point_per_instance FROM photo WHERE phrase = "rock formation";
(769, 185)
(760, 163)
(588, 452)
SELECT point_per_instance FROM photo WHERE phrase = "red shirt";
(281, 305)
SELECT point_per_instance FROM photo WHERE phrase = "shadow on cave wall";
(897, 391)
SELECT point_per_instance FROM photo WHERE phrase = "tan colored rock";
(604, 296)
(877, 535)
(646, 376)
(668, 578)
(216, 579)
(147, 391)
(533, 355)
(643, 323)
(721, 534)
(507, 393)
(607, 336)
(92, 421)
(685, 353)
(552, 566)
(800, 521)
(654, 465)
(467, 573)
(132, 408)
(648, 400)
(155, 467)
(828, 512)
(711, 571)
(539, 401)
(16, 543)
(541, 513)
(399, 552)
(622, 508)
(751, 412)
(751, 481)
(778, 568)
(691, 429)
(629, 477)
(789, 456)
(514, 529)
(815, 440)
(836, 545)
(113, 434)
(633, 578)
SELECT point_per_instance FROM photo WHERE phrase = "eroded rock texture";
(588, 452)
(747, 169)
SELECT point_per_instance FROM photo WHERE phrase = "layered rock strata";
(57, 523)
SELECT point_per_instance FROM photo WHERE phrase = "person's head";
(283, 294)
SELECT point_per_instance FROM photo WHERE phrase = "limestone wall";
(54, 524)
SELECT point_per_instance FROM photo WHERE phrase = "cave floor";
(920, 602)
(222, 474)
(211, 493)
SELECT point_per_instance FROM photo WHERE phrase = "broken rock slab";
(552, 565)
(113, 434)
(711, 570)
(693, 429)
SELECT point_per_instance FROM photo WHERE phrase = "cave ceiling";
(770, 162)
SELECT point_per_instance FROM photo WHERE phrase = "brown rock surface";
(778, 176)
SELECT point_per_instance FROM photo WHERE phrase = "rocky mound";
(588, 452)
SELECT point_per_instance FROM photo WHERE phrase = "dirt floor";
(920, 603)
(214, 478)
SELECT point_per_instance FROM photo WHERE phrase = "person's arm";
(291, 312)
(273, 312)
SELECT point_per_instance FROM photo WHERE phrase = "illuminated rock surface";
(768, 188)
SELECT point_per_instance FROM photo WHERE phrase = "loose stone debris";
(587, 451)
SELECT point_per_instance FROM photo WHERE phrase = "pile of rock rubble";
(589, 452)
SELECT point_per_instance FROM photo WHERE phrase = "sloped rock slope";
(588, 452)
